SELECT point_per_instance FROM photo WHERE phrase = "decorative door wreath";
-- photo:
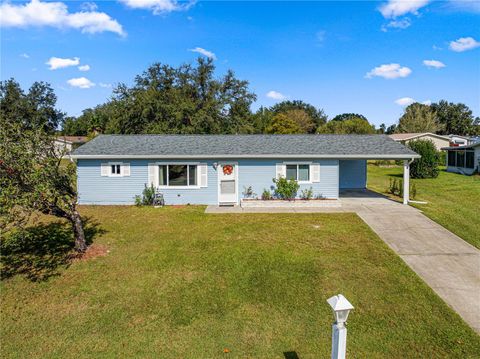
(227, 170)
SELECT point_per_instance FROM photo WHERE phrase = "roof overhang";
(220, 156)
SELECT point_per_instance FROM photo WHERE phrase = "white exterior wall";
(438, 142)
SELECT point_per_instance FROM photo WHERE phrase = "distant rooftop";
(407, 136)
(73, 139)
(243, 146)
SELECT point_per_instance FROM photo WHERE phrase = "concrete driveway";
(448, 264)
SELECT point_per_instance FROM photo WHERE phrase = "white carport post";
(406, 181)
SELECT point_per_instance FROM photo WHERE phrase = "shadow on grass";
(290, 355)
(38, 252)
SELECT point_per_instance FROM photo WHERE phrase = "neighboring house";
(463, 159)
(65, 144)
(214, 169)
(456, 140)
(438, 140)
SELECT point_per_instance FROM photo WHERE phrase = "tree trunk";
(80, 243)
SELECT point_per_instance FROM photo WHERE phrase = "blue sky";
(366, 57)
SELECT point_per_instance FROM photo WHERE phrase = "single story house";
(65, 144)
(438, 140)
(215, 169)
(463, 159)
(457, 140)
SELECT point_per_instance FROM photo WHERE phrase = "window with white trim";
(178, 175)
(299, 172)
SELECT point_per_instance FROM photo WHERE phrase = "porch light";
(341, 308)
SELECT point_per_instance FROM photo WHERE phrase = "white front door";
(227, 183)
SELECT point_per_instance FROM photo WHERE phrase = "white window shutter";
(152, 174)
(125, 169)
(280, 170)
(315, 172)
(203, 170)
(105, 169)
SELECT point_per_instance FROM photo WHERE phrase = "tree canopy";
(32, 110)
(164, 99)
(348, 126)
(318, 116)
(282, 124)
(349, 116)
(418, 118)
(455, 118)
(32, 178)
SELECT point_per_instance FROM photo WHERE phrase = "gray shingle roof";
(218, 146)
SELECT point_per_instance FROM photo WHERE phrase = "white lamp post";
(341, 308)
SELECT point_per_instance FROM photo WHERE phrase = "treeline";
(189, 99)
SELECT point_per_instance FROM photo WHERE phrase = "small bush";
(396, 188)
(286, 189)
(306, 193)
(427, 165)
(148, 195)
(266, 195)
(248, 192)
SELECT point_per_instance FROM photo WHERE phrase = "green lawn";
(453, 199)
(178, 283)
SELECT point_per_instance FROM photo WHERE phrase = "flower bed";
(278, 203)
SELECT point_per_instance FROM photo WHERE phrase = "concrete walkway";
(448, 264)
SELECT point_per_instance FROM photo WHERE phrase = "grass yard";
(453, 199)
(178, 283)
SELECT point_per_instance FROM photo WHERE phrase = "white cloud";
(88, 6)
(55, 14)
(104, 85)
(463, 44)
(84, 67)
(204, 52)
(25, 55)
(59, 63)
(404, 101)
(434, 63)
(157, 6)
(81, 82)
(397, 24)
(389, 71)
(395, 8)
(276, 95)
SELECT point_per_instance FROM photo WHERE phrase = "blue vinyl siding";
(259, 175)
(95, 189)
(353, 174)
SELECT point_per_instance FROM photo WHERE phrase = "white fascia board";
(220, 156)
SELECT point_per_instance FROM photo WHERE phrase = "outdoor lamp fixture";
(215, 165)
(341, 308)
